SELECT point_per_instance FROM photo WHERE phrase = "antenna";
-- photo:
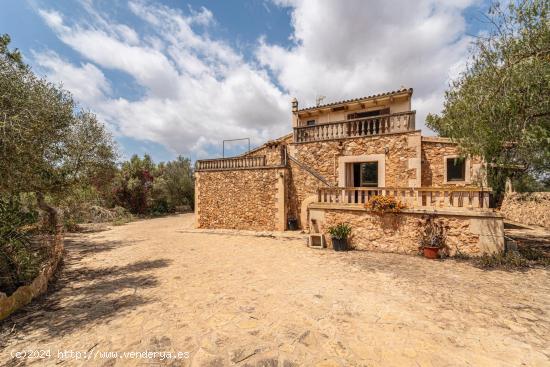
(319, 99)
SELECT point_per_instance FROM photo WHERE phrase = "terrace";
(359, 127)
(233, 163)
(426, 198)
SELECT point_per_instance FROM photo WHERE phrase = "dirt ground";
(236, 299)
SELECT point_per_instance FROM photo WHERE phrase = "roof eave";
(407, 91)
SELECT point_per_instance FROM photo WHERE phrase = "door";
(364, 174)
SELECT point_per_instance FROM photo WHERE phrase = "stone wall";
(473, 234)
(302, 189)
(273, 150)
(241, 199)
(433, 152)
(399, 151)
(25, 294)
(244, 198)
(527, 208)
(274, 154)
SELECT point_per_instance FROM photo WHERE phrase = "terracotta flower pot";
(431, 252)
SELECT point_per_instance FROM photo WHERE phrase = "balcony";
(361, 127)
(231, 163)
(414, 198)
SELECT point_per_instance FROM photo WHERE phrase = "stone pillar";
(294, 112)
(280, 197)
(415, 141)
(490, 232)
(197, 203)
(508, 186)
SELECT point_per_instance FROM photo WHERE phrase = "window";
(364, 114)
(369, 174)
(456, 169)
(310, 123)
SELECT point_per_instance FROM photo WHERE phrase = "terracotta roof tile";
(410, 90)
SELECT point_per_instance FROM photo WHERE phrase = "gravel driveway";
(226, 299)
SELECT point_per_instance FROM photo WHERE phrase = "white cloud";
(86, 82)
(198, 90)
(53, 19)
(362, 48)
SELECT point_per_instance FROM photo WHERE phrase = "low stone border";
(527, 208)
(242, 232)
(24, 294)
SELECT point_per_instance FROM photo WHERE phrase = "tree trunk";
(54, 215)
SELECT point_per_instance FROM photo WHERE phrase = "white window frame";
(379, 158)
(467, 168)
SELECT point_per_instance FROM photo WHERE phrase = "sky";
(178, 77)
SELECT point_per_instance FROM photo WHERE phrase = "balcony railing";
(367, 126)
(413, 198)
(231, 163)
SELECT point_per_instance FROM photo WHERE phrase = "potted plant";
(433, 238)
(384, 204)
(339, 234)
(292, 224)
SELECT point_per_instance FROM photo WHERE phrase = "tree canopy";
(145, 187)
(46, 144)
(499, 107)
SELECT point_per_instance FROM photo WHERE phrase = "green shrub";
(510, 260)
(19, 262)
(531, 253)
(340, 231)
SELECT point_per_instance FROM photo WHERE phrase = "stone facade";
(470, 233)
(240, 199)
(272, 150)
(397, 151)
(434, 151)
(407, 158)
(326, 144)
(527, 208)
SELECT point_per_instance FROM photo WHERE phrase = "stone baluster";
(485, 199)
(469, 196)
(475, 200)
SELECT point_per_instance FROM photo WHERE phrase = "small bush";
(19, 261)
(531, 254)
(87, 213)
(381, 203)
(433, 234)
(340, 231)
(510, 260)
(121, 221)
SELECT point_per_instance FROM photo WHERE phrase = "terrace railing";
(413, 198)
(231, 163)
(367, 126)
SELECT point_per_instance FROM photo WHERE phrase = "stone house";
(339, 155)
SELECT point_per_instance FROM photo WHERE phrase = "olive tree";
(46, 146)
(499, 107)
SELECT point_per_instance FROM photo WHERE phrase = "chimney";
(294, 105)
